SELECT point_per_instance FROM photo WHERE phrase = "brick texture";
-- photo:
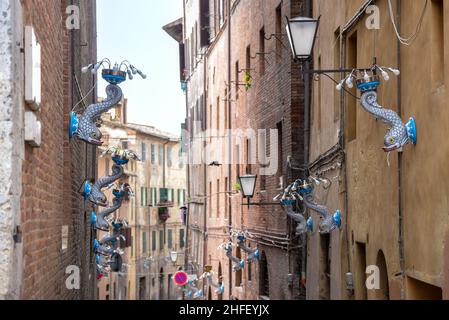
(53, 173)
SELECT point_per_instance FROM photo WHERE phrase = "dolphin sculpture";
(253, 254)
(329, 222)
(239, 264)
(92, 191)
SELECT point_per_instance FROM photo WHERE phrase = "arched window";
(238, 274)
(264, 279)
(384, 292)
(161, 284)
(220, 280)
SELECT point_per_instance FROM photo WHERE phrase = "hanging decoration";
(86, 125)
(289, 200)
(108, 254)
(122, 192)
(253, 254)
(328, 221)
(218, 285)
(92, 191)
(367, 82)
(239, 264)
(191, 290)
(302, 191)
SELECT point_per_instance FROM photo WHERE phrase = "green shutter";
(153, 240)
(170, 238)
(161, 240)
(141, 196)
(144, 242)
(181, 238)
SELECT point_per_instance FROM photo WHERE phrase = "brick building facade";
(391, 210)
(50, 226)
(225, 43)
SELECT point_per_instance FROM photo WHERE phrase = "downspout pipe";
(306, 133)
(230, 136)
(400, 206)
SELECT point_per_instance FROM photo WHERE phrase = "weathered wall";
(378, 194)
(11, 145)
(52, 173)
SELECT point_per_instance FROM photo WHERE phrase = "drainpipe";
(186, 244)
(307, 102)
(204, 113)
(230, 136)
(401, 212)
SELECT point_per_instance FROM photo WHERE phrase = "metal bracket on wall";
(17, 235)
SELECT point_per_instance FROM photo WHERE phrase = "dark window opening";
(351, 104)
(264, 278)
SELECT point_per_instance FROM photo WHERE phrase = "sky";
(132, 30)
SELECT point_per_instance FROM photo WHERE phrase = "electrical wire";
(85, 96)
(344, 89)
(407, 41)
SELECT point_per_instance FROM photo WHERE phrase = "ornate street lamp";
(248, 185)
(301, 32)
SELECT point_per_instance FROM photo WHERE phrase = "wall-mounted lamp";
(301, 32)
(248, 185)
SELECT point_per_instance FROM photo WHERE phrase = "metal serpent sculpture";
(191, 290)
(92, 191)
(253, 254)
(239, 264)
(328, 222)
(85, 125)
(367, 82)
(399, 134)
(121, 193)
(301, 223)
(214, 283)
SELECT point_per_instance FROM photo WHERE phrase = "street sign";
(180, 278)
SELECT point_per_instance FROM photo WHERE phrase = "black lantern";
(301, 32)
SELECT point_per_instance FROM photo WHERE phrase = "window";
(142, 197)
(153, 154)
(221, 12)
(325, 267)
(437, 37)
(226, 110)
(218, 198)
(170, 238)
(262, 52)
(210, 199)
(280, 148)
(144, 242)
(238, 274)
(161, 155)
(360, 269)
(153, 241)
(144, 152)
(351, 102)
(264, 278)
(248, 58)
(237, 80)
(249, 268)
(218, 116)
(226, 198)
(279, 32)
(163, 194)
(337, 66)
(161, 240)
(181, 238)
(169, 156)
